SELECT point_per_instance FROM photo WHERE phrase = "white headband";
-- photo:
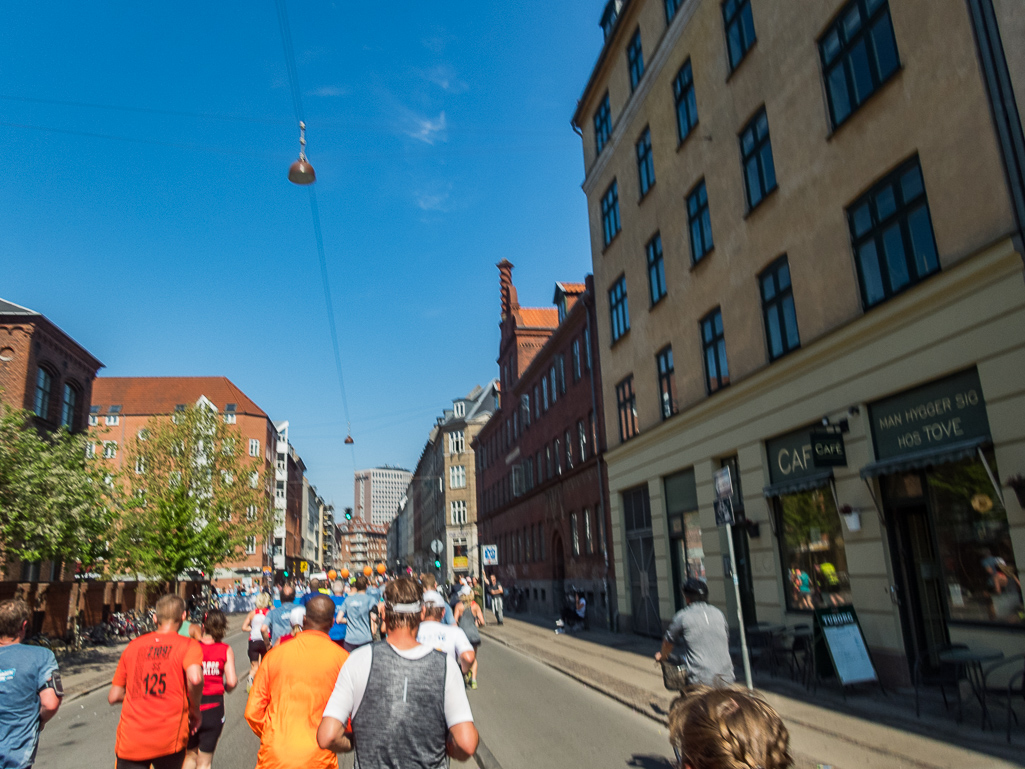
(405, 608)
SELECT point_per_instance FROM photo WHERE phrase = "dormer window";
(94, 416)
(561, 304)
(610, 17)
(229, 414)
(459, 409)
(113, 415)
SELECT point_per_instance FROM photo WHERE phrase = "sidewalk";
(870, 731)
(93, 668)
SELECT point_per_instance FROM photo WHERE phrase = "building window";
(610, 213)
(94, 418)
(756, 157)
(602, 125)
(251, 512)
(140, 465)
(457, 477)
(575, 532)
(458, 512)
(672, 6)
(618, 309)
(588, 535)
(525, 408)
(456, 442)
(635, 59)
(569, 450)
(548, 462)
(582, 439)
(859, 54)
(700, 221)
(555, 385)
(537, 404)
(254, 447)
(814, 555)
(626, 400)
(109, 449)
(69, 407)
(656, 270)
(561, 369)
(740, 29)
(229, 414)
(778, 308)
(459, 409)
(279, 490)
(686, 102)
(717, 372)
(90, 449)
(666, 382)
(892, 234)
(575, 354)
(544, 392)
(557, 454)
(44, 384)
(645, 162)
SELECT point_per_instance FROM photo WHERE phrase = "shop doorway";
(917, 572)
(640, 556)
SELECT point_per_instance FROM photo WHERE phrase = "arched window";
(69, 411)
(44, 385)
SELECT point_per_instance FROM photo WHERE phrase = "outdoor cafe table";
(970, 661)
(763, 635)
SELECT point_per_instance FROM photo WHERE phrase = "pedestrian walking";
(30, 687)
(290, 692)
(218, 677)
(159, 681)
(497, 593)
(254, 623)
(469, 617)
(447, 638)
(704, 634)
(355, 615)
(406, 702)
(279, 619)
(728, 729)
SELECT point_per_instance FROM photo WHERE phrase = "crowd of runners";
(379, 667)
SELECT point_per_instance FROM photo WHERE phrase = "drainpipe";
(612, 616)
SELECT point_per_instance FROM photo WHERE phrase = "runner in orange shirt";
(159, 678)
(290, 691)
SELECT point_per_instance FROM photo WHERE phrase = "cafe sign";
(791, 457)
(938, 414)
(828, 449)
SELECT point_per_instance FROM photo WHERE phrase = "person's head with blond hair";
(728, 729)
(263, 600)
(169, 609)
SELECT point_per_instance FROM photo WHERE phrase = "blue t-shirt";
(280, 624)
(337, 631)
(24, 671)
(311, 595)
(357, 608)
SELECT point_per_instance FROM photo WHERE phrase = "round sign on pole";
(437, 546)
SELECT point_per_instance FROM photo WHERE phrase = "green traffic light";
(286, 573)
(437, 564)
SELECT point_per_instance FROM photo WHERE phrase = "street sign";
(437, 546)
(828, 450)
(490, 555)
(723, 483)
(303, 566)
(724, 511)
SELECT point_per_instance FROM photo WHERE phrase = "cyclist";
(218, 677)
(704, 634)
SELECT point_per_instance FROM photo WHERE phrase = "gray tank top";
(400, 723)
(468, 626)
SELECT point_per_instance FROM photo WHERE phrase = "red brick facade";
(362, 544)
(542, 488)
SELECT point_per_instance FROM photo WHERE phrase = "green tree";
(191, 497)
(55, 503)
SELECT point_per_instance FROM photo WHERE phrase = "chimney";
(509, 300)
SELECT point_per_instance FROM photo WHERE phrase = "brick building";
(542, 487)
(44, 371)
(361, 544)
(122, 406)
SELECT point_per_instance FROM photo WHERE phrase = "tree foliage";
(191, 497)
(55, 503)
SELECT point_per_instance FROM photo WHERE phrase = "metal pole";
(740, 610)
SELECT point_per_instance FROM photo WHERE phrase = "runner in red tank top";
(218, 677)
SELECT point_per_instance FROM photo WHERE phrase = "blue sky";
(147, 213)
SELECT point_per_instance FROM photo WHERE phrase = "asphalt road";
(529, 717)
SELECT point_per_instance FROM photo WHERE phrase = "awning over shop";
(951, 452)
(797, 485)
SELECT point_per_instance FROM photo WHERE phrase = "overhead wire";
(297, 105)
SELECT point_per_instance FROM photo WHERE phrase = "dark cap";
(695, 587)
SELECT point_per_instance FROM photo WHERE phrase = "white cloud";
(330, 90)
(434, 199)
(428, 131)
(445, 78)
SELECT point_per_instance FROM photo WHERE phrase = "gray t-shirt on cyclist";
(703, 634)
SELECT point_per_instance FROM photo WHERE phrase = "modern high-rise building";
(807, 230)
(377, 493)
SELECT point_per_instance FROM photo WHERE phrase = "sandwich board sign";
(840, 631)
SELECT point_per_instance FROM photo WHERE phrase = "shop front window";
(974, 541)
(687, 552)
(814, 557)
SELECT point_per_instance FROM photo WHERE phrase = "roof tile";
(159, 395)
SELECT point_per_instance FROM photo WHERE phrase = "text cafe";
(936, 482)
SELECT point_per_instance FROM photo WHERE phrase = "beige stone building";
(806, 227)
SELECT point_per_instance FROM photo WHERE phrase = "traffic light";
(437, 563)
(286, 573)
(348, 513)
